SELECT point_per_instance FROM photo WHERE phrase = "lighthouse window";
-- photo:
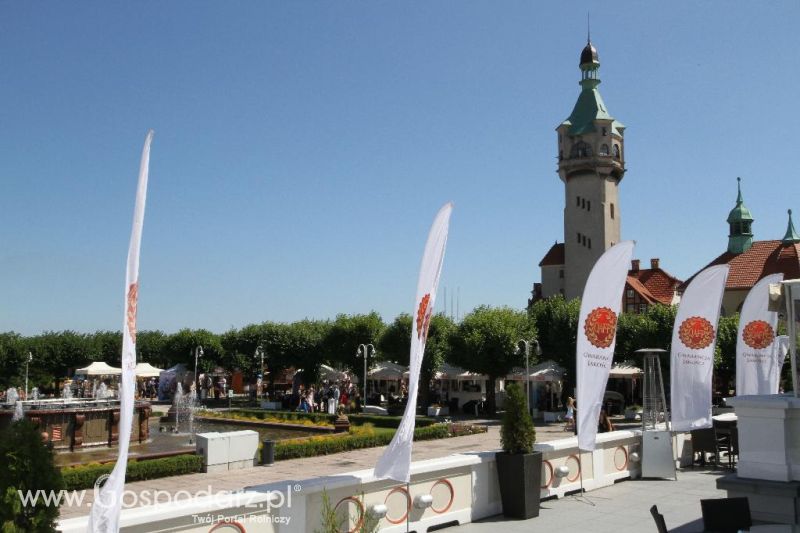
(588, 205)
(590, 243)
(583, 203)
(612, 211)
(605, 132)
(604, 149)
(578, 199)
(579, 238)
(616, 151)
(581, 149)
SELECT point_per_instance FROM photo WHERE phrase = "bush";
(517, 434)
(379, 421)
(84, 476)
(28, 465)
(359, 439)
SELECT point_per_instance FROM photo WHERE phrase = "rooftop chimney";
(635, 265)
(654, 263)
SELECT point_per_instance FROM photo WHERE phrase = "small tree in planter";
(519, 468)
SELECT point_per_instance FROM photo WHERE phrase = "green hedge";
(334, 444)
(84, 477)
(379, 421)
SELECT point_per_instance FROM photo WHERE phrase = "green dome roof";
(740, 212)
(791, 237)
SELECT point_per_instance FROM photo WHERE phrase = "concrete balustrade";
(458, 488)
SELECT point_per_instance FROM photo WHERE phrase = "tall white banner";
(395, 463)
(757, 347)
(104, 517)
(694, 337)
(597, 336)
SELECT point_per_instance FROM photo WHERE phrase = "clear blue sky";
(302, 148)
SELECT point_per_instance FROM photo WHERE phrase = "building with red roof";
(751, 260)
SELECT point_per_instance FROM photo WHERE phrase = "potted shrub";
(519, 468)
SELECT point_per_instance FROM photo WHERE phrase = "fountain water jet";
(19, 414)
(11, 396)
(66, 392)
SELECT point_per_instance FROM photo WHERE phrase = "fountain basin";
(76, 424)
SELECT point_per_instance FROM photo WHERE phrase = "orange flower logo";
(758, 334)
(600, 327)
(424, 317)
(133, 298)
(696, 333)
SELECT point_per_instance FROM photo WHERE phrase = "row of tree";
(485, 341)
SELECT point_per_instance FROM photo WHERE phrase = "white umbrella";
(386, 370)
(625, 371)
(146, 370)
(99, 368)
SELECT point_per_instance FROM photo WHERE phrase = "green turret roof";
(739, 213)
(791, 237)
(590, 106)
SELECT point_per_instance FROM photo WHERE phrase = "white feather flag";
(395, 463)
(597, 336)
(758, 349)
(694, 337)
(106, 507)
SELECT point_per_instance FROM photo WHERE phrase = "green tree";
(556, 322)
(179, 348)
(395, 345)
(725, 353)
(486, 342)
(346, 333)
(28, 466)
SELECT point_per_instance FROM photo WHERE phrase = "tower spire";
(588, 28)
(740, 221)
(791, 237)
(739, 199)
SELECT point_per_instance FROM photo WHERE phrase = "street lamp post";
(364, 351)
(27, 363)
(527, 345)
(259, 353)
(198, 353)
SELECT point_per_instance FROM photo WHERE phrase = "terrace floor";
(621, 508)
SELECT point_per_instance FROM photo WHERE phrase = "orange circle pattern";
(625, 454)
(452, 496)
(408, 505)
(550, 477)
(360, 511)
(578, 473)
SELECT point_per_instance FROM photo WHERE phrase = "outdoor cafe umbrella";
(99, 368)
(146, 370)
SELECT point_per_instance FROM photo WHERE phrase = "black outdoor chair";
(726, 515)
(703, 441)
(723, 433)
(661, 525)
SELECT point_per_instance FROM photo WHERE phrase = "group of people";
(326, 398)
(147, 388)
(211, 387)
(604, 424)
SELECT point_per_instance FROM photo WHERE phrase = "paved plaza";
(621, 508)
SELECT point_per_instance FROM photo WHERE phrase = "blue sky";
(302, 148)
